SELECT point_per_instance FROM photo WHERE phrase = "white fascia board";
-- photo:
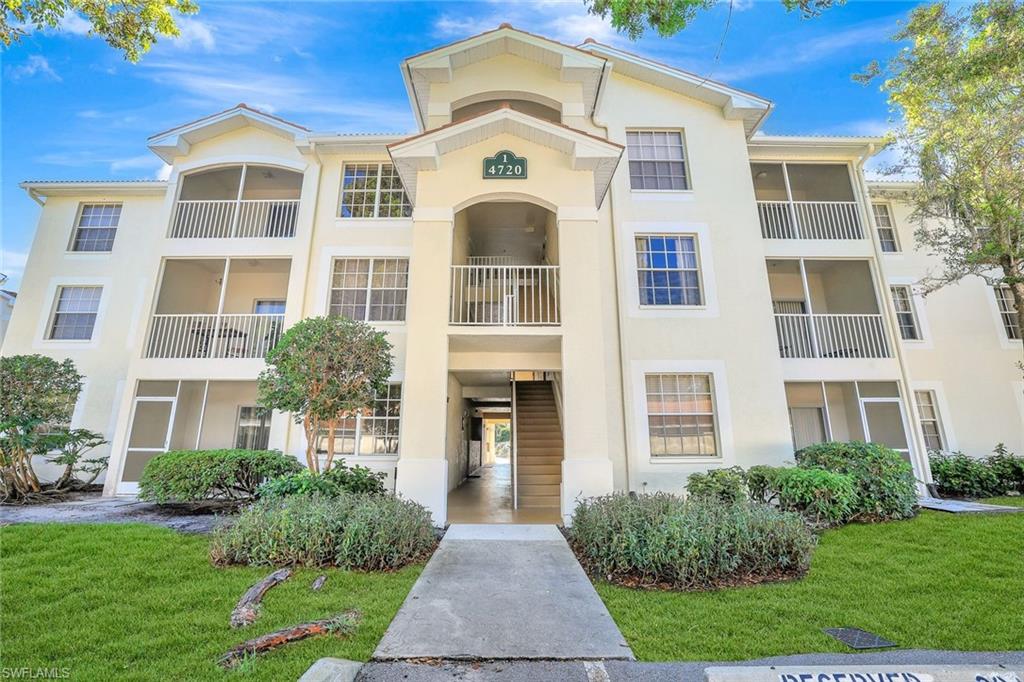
(178, 141)
(106, 187)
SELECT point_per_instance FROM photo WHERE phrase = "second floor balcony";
(806, 201)
(246, 201)
(218, 308)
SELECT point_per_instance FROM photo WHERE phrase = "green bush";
(761, 485)
(722, 485)
(959, 475)
(823, 497)
(1008, 468)
(364, 532)
(660, 539)
(886, 487)
(198, 475)
(339, 479)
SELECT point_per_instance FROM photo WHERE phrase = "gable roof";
(177, 141)
(438, 64)
(735, 103)
(587, 152)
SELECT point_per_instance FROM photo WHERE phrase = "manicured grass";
(143, 603)
(943, 581)
(1015, 501)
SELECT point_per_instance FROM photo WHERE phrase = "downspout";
(617, 277)
(920, 451)
(34, 196)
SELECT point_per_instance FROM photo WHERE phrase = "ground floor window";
(253, 429)
(374, 433)
(681, 415)
(1007, 311)
(931, 427)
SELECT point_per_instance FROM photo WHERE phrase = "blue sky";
(72, 108)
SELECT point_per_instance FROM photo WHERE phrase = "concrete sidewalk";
(503, 592)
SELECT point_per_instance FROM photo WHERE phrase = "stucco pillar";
(587, 466)
(422, 473)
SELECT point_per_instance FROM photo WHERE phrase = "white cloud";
(164, 173)
(35, 65)
(145, 161)
(194, 33)
(12, 264)
(75, 24)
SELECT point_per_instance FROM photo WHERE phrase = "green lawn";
(945, 581)
(143, 603)
(1016, 501)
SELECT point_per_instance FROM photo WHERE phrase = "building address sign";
(505, 165)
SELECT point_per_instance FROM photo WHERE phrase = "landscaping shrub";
(660, 539)
(886, 487)
(761, 485)
(825, 498)
(1008, 468)
(960, 475)
(339, 479)
(198, 475)
(722, 485)
(366, 532)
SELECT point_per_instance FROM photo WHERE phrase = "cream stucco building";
(601, 250)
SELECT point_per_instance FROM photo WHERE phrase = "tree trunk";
(312, 462)
(330, 445)
(342, 624)
(248, 607)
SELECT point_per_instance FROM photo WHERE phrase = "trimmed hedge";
(886, 487)
(959, 475)
(824, 498)
(660, 539)
(720, 485)
(339, 479)
(353, 531)
(200, 475)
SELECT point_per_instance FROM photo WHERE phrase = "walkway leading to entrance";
(503, 592)
(488, 499)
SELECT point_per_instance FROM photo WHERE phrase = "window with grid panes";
(903, 301)
(668, 272)
(886, 230)
(1007, 311)
(374, 433)
(369, 289)
(373, 190)
(681, 415)
(657, 160)
(74, 313)
(928, 411)
(96, 227)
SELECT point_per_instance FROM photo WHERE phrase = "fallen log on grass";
(248, 607)
(318, 583)
(342, 625)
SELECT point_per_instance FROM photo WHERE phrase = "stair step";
(538, 489)
(528, 469)
(538, 479)
(539, 501)
(541, 461)
(541, 442)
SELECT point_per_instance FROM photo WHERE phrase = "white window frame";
(52, 320)
(891, 227)
(78, 227)
(997, 297)
(687, 169)
(629, 231)
(376, 195)
(358, 431)
(937, 419)
(697, 268)
(369, 286)
(908, 291)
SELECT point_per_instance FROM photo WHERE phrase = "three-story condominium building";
(595, 253)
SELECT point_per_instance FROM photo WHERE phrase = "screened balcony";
(806, 201)
(219, 308)
(244, 202)
(826, 309)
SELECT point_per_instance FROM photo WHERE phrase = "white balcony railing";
(505, 295)
(226, 218)
(831, 336)
(213, 336)
(810, 220)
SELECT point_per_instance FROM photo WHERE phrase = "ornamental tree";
(324, 370)
(36, 392)
(958, 88)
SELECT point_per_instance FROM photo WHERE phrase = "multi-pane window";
(268, 306)
(369, 289)
(931, 426)
(373, 190)
(253, 429)
(903, 301)
(886, 229)
(1007, 311)
(373, 433)
(667, 270)
(96, 227)
(657, 160)
(74, 313)
(681, 415)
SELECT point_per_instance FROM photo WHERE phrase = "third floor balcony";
(246, 201)
(806, 201)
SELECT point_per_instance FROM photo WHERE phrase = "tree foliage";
(958, 89)
(131, 26)
(669, 17)
(324, 370)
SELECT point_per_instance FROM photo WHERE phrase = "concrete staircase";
(538, 445)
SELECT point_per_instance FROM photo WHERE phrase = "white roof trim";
(178, 141)
(329, 143)
(735, 104)
(438, 65)
(45, 188)
(424, 151)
